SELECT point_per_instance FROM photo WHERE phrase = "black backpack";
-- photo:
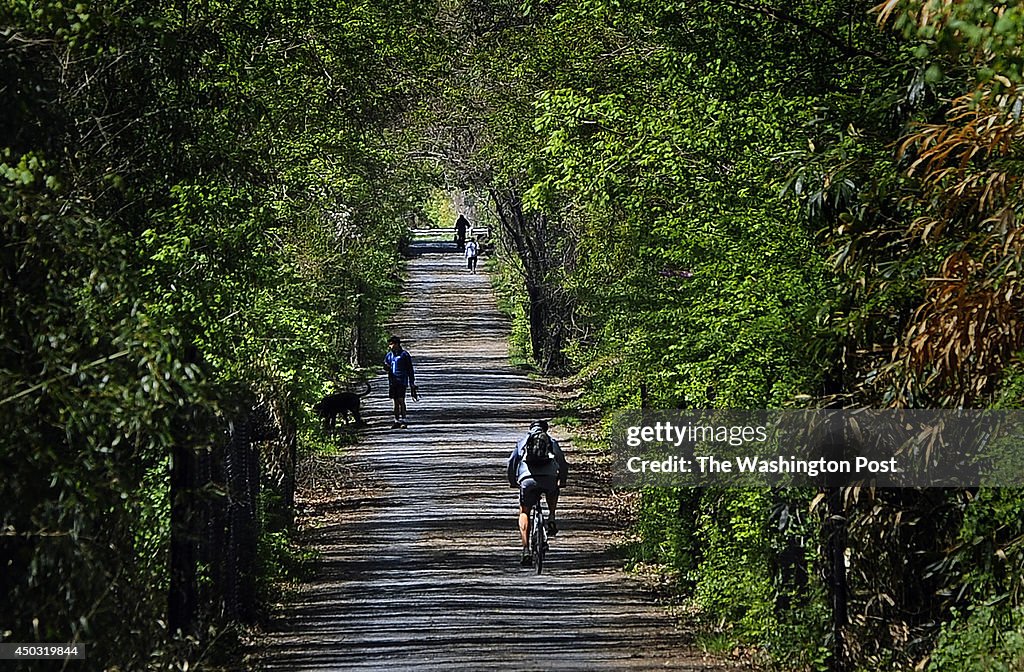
(539, 450)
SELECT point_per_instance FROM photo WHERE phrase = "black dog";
(345, 404)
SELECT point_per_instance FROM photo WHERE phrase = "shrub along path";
(418, 545)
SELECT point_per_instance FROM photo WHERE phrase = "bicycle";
(537, 536)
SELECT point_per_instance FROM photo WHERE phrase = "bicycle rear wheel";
(537, 534)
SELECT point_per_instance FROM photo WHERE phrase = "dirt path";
(423, 572)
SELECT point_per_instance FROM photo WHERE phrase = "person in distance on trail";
(401, 378)
(472, 249)
(461, 225)
(537, 466)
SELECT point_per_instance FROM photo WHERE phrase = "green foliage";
(281, 559)
(988, 562)
(699, 204)
(983, 639)
(983, 574)
(685, 261)
(733, 579)
(665, 527)
(513, 303)
(798, 640)
(961, 28)
(440, 210)
(200, 207)
(719, 183)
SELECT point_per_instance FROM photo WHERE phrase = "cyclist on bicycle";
(535, 475)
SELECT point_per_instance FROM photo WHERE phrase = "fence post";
(182, 599)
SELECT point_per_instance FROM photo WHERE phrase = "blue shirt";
(400, 368)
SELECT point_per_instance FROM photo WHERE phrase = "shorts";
(532, 487)
(397, 390)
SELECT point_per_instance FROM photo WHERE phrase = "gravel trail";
(419, 565)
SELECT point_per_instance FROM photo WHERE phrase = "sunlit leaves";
(199, 205)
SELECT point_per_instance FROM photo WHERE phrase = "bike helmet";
(541, 425)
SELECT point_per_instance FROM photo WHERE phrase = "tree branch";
(834, 40)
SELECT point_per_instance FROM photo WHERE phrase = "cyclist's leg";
(529, 494)
(552, 497)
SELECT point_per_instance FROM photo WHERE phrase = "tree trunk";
(528, 234)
